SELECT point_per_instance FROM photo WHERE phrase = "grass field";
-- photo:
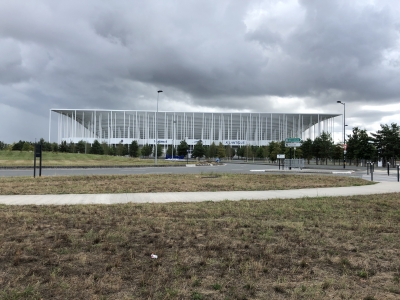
(322, 248)
(106, 184)
(50, 159)
(310, 248)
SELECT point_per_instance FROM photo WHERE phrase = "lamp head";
(160, 91)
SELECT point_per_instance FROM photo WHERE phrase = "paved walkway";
(378, 188)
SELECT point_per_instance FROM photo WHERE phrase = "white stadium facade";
(235, 129)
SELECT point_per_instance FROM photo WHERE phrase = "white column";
(271, 129)
(49, 124)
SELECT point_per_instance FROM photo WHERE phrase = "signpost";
(37, 153)
(280, 157)
(293, 142)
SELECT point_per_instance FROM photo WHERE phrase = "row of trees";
(3, 146)
(132, 149)
(384, 144)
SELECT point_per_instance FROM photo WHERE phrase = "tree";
(359, 145)
(212, 150)
(183, 148)
(387, 142)
(54, 147)
(3, 145)
(96, 148)
(274, 148)
(260, 153)
(230, 151)
(18, 146)
(120, 149)
(298, 153)
(207, 151)
(159, 150)
(46, 146)
(248, 151)
(71, 147)
(221, 150)
(146, 150)
(171, 150)
(63, 147)
(27, 146)
(134, 149)
(112, 150)
(241, 151)
(307, 149)
(266, 152)
(198, 150)
(337, 153)
(80, 147)
(106, 148)
(323, 146)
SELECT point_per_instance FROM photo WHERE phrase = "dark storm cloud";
(232, 55)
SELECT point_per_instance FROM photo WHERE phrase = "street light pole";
(155, 159)
(173, 136)
(344, 133)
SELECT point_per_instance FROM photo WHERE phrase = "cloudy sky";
(228, 55)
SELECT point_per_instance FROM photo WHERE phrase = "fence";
(294, 163)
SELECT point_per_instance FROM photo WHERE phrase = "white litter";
(154, 256)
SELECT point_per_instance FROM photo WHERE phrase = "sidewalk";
(73, 199)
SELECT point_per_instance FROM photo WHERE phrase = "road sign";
(293, 140)
(280, 156)
(292, 145)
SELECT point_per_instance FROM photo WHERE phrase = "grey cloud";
(96, 54)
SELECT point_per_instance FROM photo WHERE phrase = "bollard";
(388, 165)
(372, 171)
(398, 174)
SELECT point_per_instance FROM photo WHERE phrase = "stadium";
(169, 128)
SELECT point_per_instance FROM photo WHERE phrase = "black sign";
(38, 150)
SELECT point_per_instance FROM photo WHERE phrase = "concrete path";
(72, 199)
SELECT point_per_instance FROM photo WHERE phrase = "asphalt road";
(227, 168)
(241, 168)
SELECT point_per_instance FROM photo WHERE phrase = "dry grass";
(52, 159)
(322, 248)
(167, 183)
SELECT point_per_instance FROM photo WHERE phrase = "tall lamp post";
(173, 138)
(344, 133)
(155, 159)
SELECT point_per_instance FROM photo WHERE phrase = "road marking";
(257, 170)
